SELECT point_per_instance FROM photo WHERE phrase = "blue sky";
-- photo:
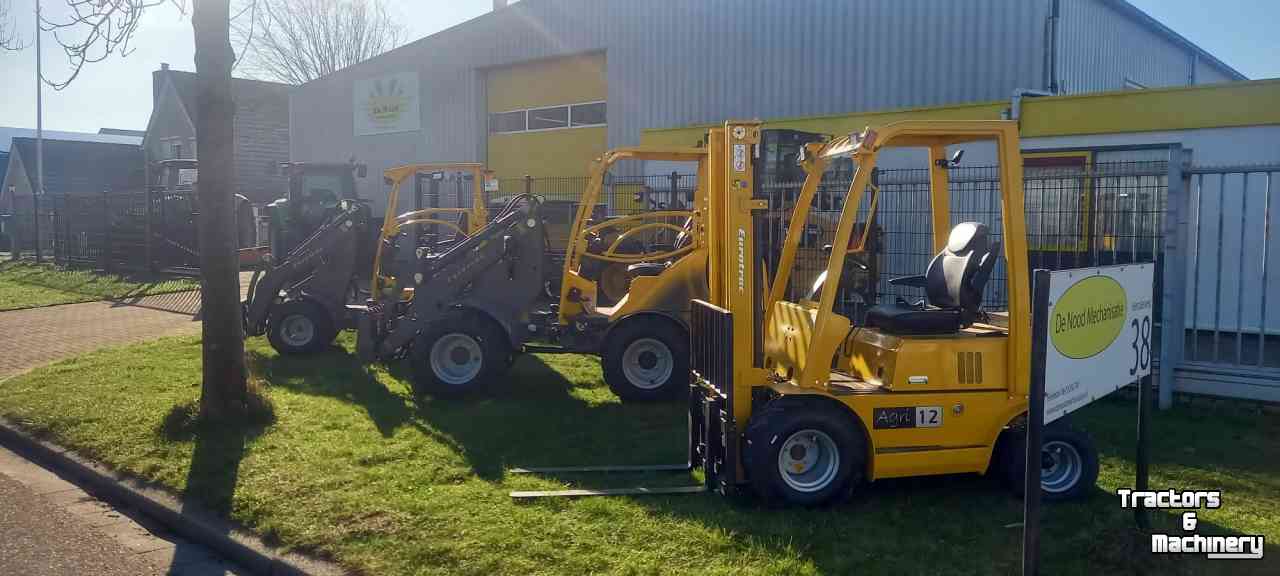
(117, 92)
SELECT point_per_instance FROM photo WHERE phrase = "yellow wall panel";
(1182, 108)
(567, 152)
(548, 83)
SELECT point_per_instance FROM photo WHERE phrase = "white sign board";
(386, 104)
(1100, 334)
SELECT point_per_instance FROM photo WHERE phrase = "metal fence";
(127, 231)
(1100, 214)
(1231, 278)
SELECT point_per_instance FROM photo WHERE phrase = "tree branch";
(296, 41)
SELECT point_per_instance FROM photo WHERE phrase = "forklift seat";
(953, 286)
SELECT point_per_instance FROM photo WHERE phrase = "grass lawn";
(354, 469)
(30, 285)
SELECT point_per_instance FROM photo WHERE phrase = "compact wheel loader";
(793, 400)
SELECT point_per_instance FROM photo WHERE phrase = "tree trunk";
(223, 393)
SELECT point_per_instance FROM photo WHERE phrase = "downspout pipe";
(1051, 47)
(1015, 105)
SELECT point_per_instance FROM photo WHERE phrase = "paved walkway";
(48, 526)
(31, 338)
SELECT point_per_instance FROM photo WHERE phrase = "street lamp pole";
(39, 191)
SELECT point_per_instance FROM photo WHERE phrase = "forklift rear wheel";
(1068, 462)
(300, 327)
(647, 359)
(457, 356)
(804, 453)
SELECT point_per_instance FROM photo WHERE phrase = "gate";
(1231, 342)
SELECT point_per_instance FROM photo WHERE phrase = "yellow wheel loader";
(792, 399)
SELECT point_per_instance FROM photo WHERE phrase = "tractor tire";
(646, 359)
(300, 327)
(458, 355)
(804, 452)
(1069, 462)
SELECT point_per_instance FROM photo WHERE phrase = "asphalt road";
(37, 538)
(49, 526)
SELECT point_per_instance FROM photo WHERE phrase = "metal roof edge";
(1142, 17)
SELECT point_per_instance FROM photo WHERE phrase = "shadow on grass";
(950, 524)
(530, 418)
(89, 283)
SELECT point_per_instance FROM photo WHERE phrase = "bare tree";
(296, 41)
(99, 28)
(9, 40)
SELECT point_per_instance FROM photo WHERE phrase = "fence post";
(106, 231)
(35, 219)
(1174, 298)
(675, 199)
(528, 184)
(146, 230)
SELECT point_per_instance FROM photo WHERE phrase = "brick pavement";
(38, 336)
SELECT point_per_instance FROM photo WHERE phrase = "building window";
(549, 118)
(507, 122)
(175, 150)
(590, 114)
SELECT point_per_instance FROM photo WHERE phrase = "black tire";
(646, 359)
(300, 327)
(470, 351)
(833, 434)
(1064, 447)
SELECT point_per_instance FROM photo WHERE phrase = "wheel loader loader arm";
(499, 271)
(324, 261)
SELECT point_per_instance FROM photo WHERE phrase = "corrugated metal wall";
(680, 62)
(1099, 47)
(676, 62)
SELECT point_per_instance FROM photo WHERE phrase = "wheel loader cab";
(465, 221)
(921, 388)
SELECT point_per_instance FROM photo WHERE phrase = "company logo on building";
(386, 104)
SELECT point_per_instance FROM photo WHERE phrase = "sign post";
(1091, 334)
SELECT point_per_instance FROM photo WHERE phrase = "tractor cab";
(313, 197)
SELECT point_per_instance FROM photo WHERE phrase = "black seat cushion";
(899, 319)
(953, 286)
(647, 269)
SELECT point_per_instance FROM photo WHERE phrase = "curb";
(189, 521)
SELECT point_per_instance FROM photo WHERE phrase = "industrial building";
(541, 87)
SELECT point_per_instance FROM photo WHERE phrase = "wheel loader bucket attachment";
(713, 433)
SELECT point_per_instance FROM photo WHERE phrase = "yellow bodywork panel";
(973, 359)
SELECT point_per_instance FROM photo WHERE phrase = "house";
(261, 130)
(71, 167)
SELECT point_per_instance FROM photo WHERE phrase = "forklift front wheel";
(804, 453)
(300, 327)
(457, 356)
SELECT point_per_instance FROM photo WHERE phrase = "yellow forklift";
(792, 399)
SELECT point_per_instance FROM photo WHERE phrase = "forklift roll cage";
(736, 366)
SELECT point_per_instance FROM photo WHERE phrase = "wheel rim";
(297, 330)
(808, 461)
(456, 358)
(1060, 466)
(647, 363)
